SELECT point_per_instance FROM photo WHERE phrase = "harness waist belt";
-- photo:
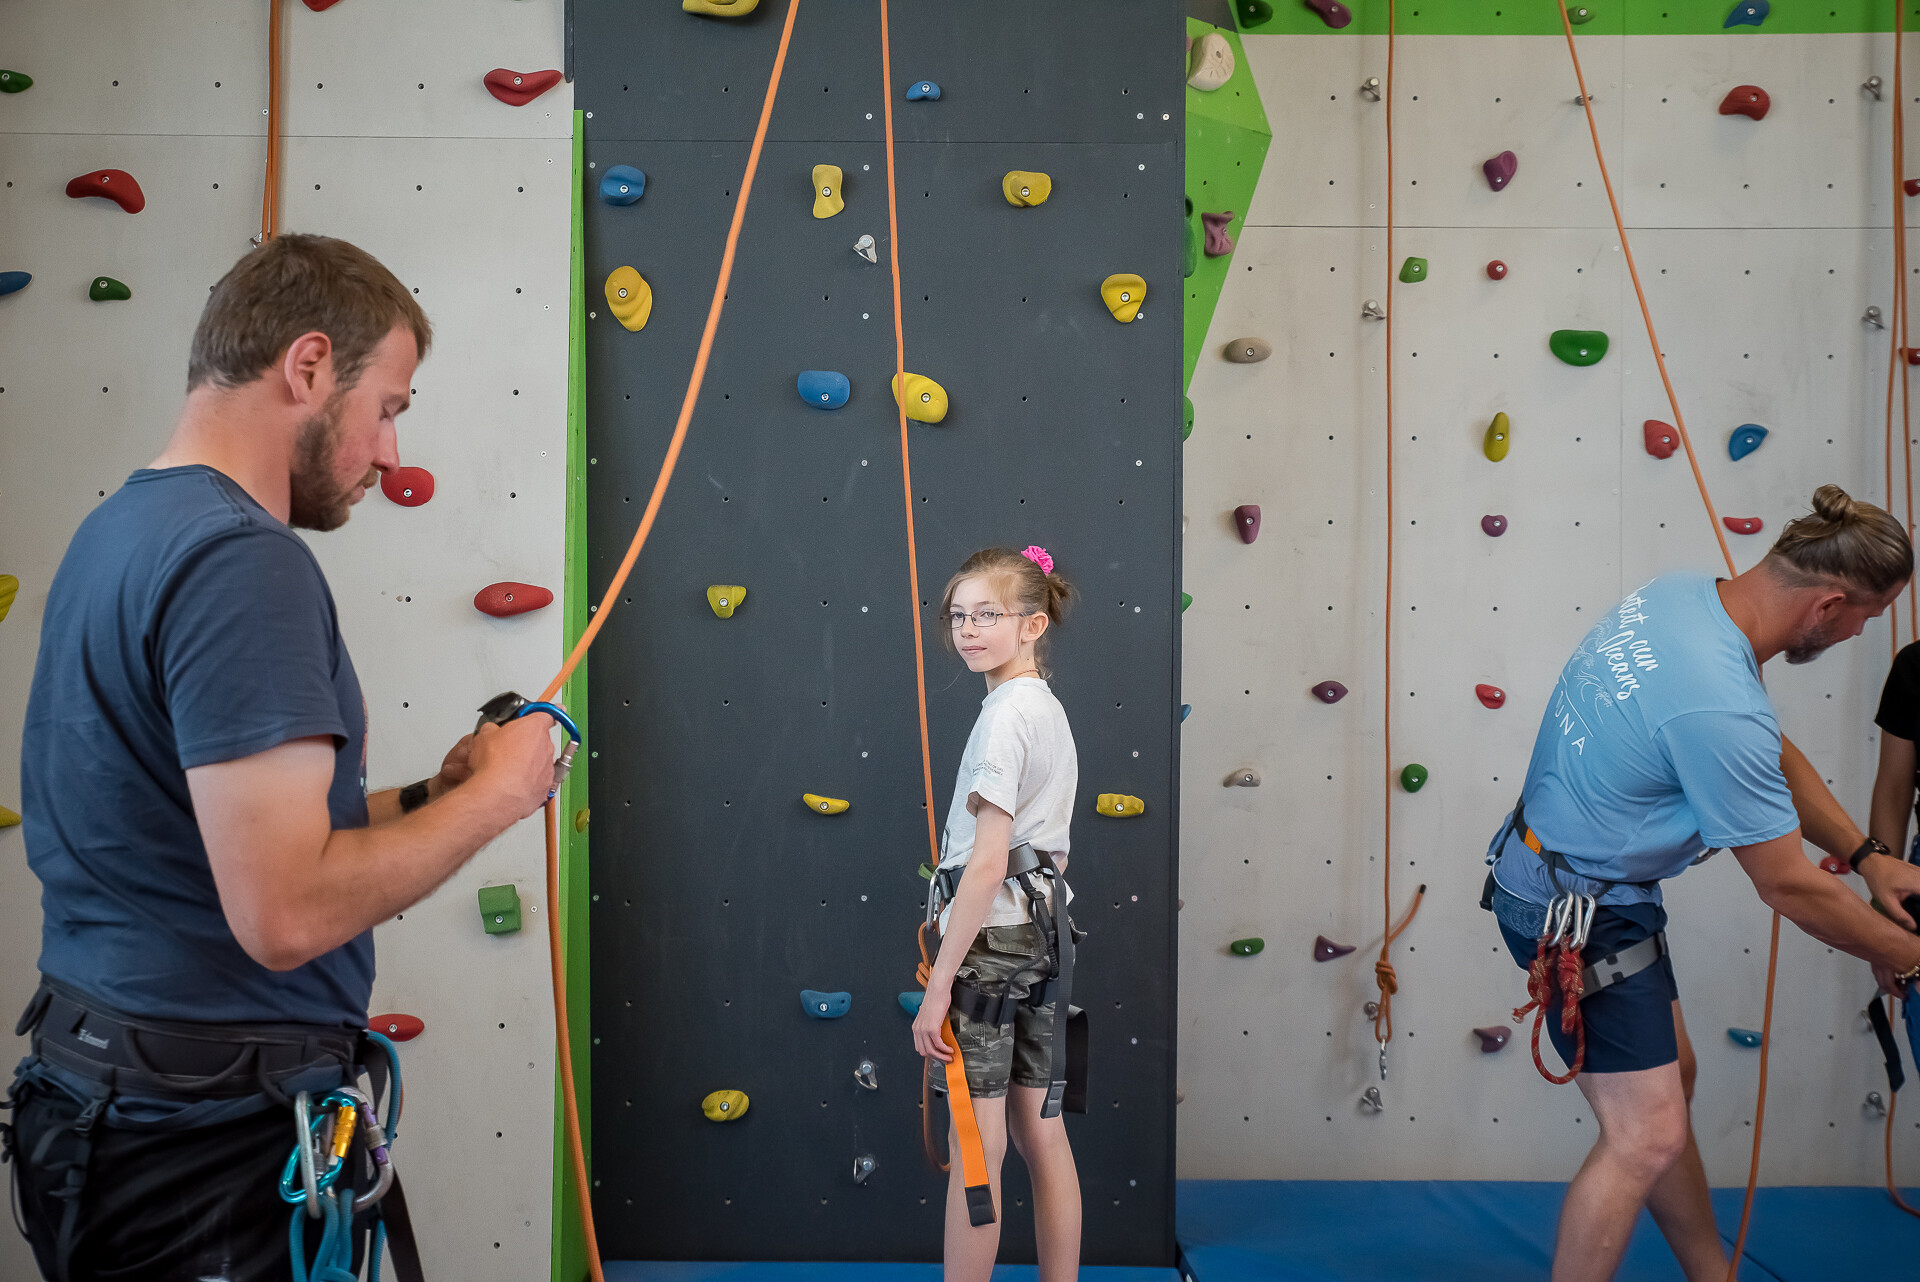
(167, 1059)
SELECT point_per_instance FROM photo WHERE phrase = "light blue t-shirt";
(1659, 744)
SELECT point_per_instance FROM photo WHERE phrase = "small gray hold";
(864, 248)
(863, 1167)
(1246, 777)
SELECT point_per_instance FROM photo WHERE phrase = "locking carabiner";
(503, 708)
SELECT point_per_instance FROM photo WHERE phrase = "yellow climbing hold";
(720, 9)
(9, 818)
(1499, 437)
(9, 588)
(629, 297)
(581, 818)
(823, 805)
(725, 598)
(1118, 805)
(1123, 293)
(826, 191)
(925, 400)
(724, 1106)
(1024, 190)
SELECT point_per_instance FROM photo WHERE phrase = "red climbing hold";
(1329, 692)
(116, 185)
(518, 88)
(503, 599)
(320, 6)
(1496, 270)
(1662, 440)
(401, 1028)
(1500, 170)
(1493, 1038)
(1246, 519)
(1325, 949)
(407, 486)
(1746, 100)
(1493, 526)
(1492, 696)
(1742, 524)
(1913, 355)
(1835, 865)
(1912, 186)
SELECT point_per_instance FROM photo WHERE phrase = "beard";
(1810, 645)
(315, 500)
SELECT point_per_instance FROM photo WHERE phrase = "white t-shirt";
(1020, 757)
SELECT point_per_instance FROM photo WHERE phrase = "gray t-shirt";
(1020, 757)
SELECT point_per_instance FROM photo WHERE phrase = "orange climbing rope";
(575, 1152)
(1713, 517)
(270, 193)
(1898, 339)
(1383, 973)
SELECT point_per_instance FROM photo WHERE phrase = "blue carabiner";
(565, 761)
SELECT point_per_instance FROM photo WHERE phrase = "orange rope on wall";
(270, 193)
(1899, 343)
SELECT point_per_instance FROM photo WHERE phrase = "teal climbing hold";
(1413, 777)
(1748, 13)
(1744, 1037)
(105, 289)
(1186, 428)
(1578, 346)
(14, 282)
(15, 82)
(824, 389)
(500, 909)
(1253, 13)
(1186, 599)
(923, 91)
(825, 1005)
(910, 1002)
(1745, 440)
(1413, 271)
(622, 185)
(1185, 708)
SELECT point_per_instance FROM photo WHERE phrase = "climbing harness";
(323, 1152)
(1032, 871)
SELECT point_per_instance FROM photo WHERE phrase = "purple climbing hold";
(1219, 240)
(1500, 169)
(1325, 949)
(1493, 526)
(1493, 1038)
(1246, 519)
(1329, 692)
(1335, 14)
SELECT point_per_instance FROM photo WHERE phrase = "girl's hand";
(927, 1042)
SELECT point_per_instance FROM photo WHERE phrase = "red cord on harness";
(1556, 966)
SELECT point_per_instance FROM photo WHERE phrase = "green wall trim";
(569, 1242)
(1226, 143)
(1610, 18)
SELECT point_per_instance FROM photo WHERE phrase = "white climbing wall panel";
(1760, 245)
(391, 142)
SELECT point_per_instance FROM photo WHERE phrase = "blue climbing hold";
(824, 389)
(1748, 13)
(622, 185)
(1185, 708)
(1745, 440)
(14, 282)
(1744, 1037)
(910, 1002)
(927, 91)
(825, 1005)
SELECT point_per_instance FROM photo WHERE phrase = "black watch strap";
(1871, 846)
(412, 797)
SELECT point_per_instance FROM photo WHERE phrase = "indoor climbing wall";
(1762, 242)
(392, 142)
(719, 893)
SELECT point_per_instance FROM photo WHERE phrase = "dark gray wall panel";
(717, 895)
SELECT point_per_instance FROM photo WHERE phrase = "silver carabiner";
(1584, 908)
(303, 1142)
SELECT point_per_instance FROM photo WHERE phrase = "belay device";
(1068, 1088)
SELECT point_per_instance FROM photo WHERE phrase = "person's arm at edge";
(1826, 823)
(384, 806)
(293, 888)
(1892, 792)
(979, 883)
(1821, 906)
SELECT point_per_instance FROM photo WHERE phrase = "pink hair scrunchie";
(1039, 556)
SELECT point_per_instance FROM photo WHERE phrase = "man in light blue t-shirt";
(1659, 746)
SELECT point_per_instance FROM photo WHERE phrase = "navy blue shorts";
(1629, 1024)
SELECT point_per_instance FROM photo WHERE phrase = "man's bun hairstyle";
(1846, 539)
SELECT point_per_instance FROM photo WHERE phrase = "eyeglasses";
(983, 618)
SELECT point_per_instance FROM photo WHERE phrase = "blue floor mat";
(1493, 1231)
(685, 1271)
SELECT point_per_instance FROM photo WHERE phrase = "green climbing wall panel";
(1610, 17)
(1227, 139)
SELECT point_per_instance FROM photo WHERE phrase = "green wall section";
(569, 1242)
(1227, 138)
(1610, 18)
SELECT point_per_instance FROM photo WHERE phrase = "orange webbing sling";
(973, 1157)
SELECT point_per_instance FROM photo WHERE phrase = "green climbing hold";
(1186, 599)
(1413, 777)
(1253, 13)
(1186, 428)
(1580, 17)
(1578, 346)
(1413, 271)
(500, 909)
(1247, 947)
(105, 289)
(15, 82)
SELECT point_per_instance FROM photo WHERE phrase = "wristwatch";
(414, 796)
(1871, 846)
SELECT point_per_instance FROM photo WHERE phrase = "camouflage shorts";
(1011, 960)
